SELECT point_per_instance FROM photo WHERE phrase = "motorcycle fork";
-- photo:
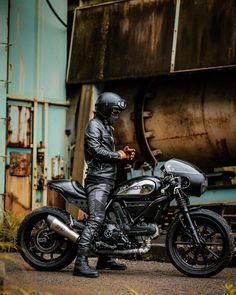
(187, 218)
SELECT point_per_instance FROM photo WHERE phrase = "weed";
(8, 230)
(10, 286)
(230, 289)
(134, 291)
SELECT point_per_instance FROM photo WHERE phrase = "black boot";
(106, 262)
(82, 268)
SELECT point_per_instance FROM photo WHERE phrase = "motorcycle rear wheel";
(41, 247)
(217, 244)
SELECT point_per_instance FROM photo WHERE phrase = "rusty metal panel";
(19, 118)
(126, 39)
(206, 34)
(20, 164)
(18, 196)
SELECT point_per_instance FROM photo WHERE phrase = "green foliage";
(17, 290)
(134, 291)
(230, 289)
(8, 228)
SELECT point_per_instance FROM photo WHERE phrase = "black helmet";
(109, 105)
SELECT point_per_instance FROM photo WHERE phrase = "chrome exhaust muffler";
(59, 227)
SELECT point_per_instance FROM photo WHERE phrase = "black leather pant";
(97, 197)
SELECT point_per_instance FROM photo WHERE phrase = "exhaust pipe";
(59, 227)
(142, 250)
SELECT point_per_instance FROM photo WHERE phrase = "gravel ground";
(141, 277)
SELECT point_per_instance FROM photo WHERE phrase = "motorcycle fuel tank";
(139, 187)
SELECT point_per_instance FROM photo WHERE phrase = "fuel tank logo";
(144, 187)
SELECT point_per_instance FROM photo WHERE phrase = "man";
(101, 159)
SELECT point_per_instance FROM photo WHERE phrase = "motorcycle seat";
(71, 188)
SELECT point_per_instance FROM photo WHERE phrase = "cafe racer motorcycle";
(199, 242)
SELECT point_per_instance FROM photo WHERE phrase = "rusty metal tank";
(188, 116)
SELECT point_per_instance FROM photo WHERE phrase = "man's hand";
(122, 154)
(127, 153)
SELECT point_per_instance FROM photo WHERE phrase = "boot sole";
(108, 268)
(85, 275)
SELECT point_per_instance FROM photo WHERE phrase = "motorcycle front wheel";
(41, 247)
(216, 249)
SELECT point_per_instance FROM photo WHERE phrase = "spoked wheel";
(214, 252)
(41, 247)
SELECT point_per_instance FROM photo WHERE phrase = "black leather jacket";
(99, 149)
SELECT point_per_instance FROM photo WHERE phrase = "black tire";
(42, 248)
(218, 242)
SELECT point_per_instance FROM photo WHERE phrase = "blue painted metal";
(37, 68)
(56, 131)
(38, 51)
(217, 195)
(3, 90)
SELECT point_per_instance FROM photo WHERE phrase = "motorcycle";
(199, 242)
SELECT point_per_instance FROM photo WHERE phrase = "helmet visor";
(122, 104)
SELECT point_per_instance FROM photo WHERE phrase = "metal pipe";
(71, 44)
(59, 227)
(32, 99)
(4, 52)
(45, 154)
(206, 69)
(142, 250)
(34, 146)
(175, 36)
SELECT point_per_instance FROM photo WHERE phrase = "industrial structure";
(33, 54)
(173, 60)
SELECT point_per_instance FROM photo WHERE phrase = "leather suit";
(101, 159)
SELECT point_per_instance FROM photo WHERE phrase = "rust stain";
(10, 67)
(19, 164)
(19, 122)
(19, 125)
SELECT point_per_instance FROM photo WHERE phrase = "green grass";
(8, 230)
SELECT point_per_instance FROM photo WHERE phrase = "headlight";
(204, 185)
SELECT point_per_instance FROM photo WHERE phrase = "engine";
(112, 237)
(119, 233)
